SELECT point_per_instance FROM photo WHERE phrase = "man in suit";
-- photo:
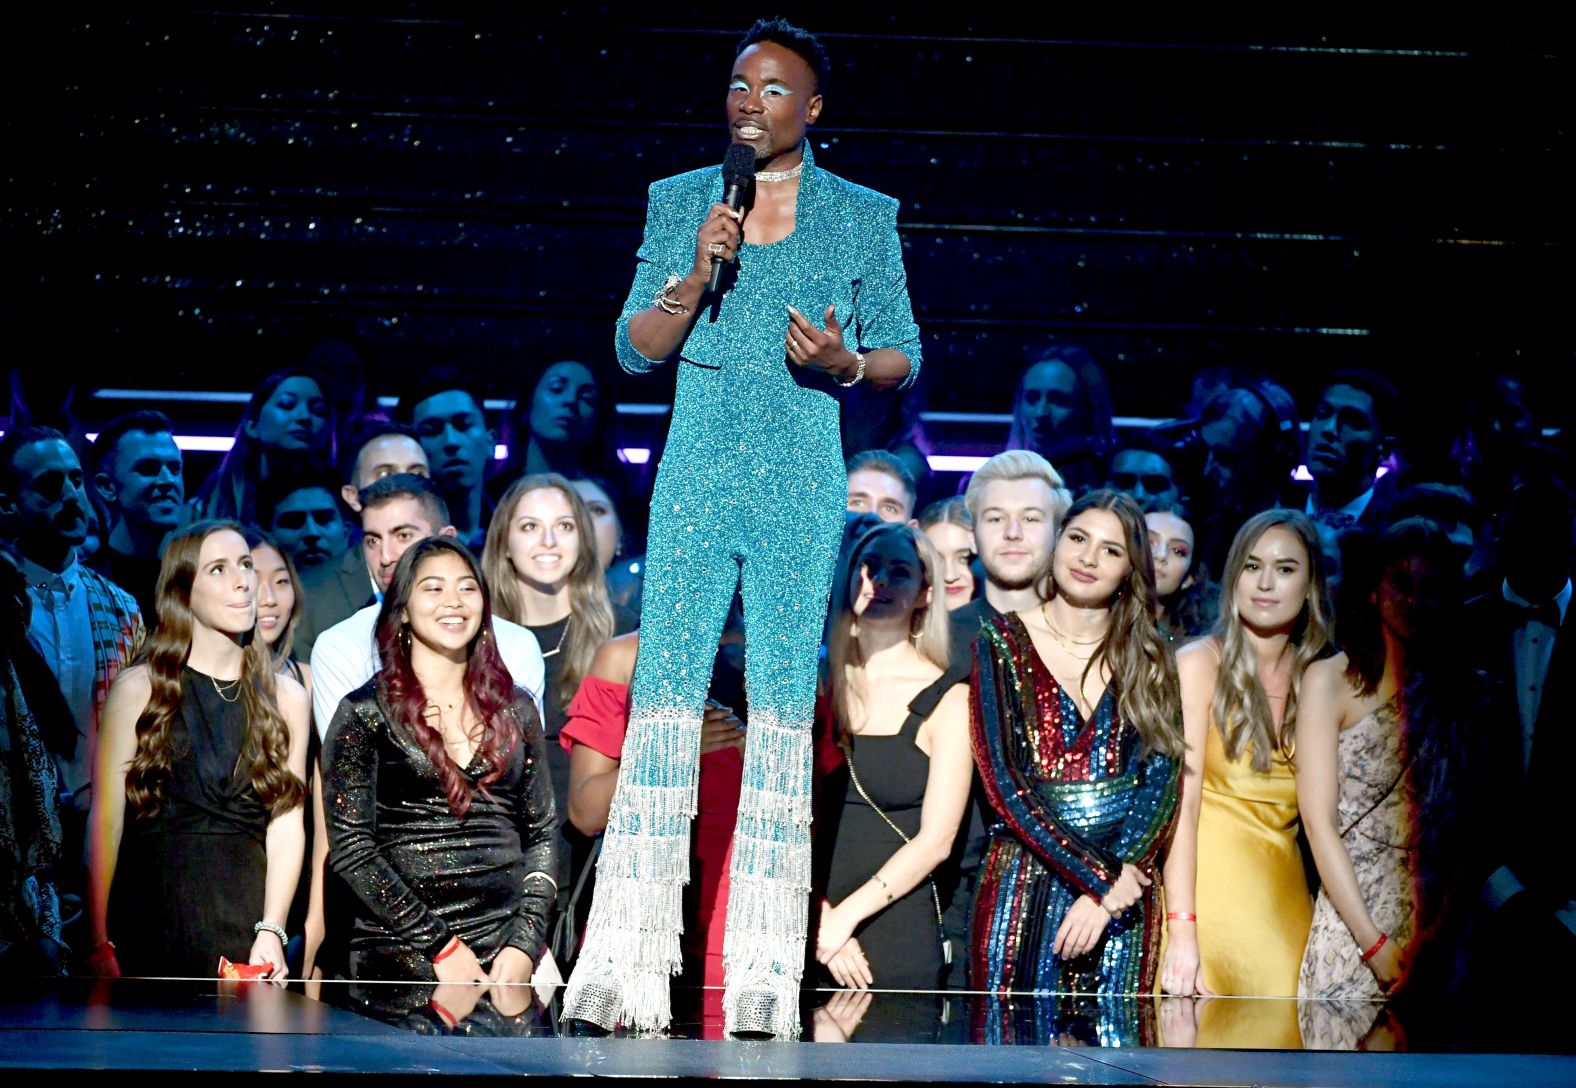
(86, 628)
(1525, 939)
(1349, 435)
(336, 590)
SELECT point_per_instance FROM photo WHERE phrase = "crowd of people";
(1060, 730)
(1233, 705)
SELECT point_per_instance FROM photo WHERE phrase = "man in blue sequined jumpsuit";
(751, 491)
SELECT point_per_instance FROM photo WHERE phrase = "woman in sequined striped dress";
(1076, 732)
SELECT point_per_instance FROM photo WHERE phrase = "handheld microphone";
(738, 170)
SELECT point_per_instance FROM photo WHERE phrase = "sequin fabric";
(420, 874)
(751, 491)
(1075, 800)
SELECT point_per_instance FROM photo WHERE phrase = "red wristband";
(448, 950)
(1374, 951)
(1181, 916)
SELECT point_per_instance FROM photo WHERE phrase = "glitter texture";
(1076, 801)
(751, 487)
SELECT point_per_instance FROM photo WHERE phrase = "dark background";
(193, 198)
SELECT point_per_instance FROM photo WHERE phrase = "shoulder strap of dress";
(924, 704)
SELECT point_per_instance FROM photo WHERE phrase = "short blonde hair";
(1018, 465)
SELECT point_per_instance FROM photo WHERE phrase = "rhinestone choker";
(780, 175)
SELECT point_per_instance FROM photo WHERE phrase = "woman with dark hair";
(1077, 740)
(440, 817)
(203, 745)
(1182, 585)
(902, 721)
(1251, 439)
(564, 426)
(288, 419)
(1237, 902)
(1377, 762)
(278, 594)
(1062, 411)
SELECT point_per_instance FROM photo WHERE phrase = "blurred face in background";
(955, 545)
(604, 517)
(456, 439)
(1171, 542)
(1144, 475)
(385, 455)
(294, 418)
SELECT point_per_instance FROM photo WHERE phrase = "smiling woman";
(434, 767)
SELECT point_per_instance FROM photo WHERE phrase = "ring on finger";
(715, 249)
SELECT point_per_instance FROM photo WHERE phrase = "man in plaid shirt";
(86, 627)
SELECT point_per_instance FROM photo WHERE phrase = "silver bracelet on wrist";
(667, 298)
(277, 931)
(859, 372)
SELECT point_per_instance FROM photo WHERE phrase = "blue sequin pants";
(772, 528)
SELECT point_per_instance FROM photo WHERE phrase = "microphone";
(738, 170)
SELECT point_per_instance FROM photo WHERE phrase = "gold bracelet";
(885, 887)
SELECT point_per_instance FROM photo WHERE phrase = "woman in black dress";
(440, 811)
(904, 726)
(197, 784)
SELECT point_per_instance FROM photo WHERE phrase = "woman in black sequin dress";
(439, 808)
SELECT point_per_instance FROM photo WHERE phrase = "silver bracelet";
(277, 931)
(859, 372)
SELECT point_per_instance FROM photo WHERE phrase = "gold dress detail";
(1253, 903)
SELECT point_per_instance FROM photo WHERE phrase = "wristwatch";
(859, 372)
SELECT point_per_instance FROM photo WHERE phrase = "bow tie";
(1338, 520)
(1547, 614)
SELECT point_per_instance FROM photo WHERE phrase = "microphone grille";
(738, 166)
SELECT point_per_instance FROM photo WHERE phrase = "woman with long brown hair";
(198, 779)
(1075, 724)
(1237, 901)
(440, 817)
(902, 721)
(542, 567)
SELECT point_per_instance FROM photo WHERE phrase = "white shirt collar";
(38, 577)
(1562, 599)
(1353, 509)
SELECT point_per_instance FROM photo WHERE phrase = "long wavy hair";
(590, 610)
(488, 685)
(1240, 708)
(231, 491)
(266, 749)
(927, 624)
(1143, 666)
(285, 643)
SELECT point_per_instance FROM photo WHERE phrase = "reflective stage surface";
(209, 1026)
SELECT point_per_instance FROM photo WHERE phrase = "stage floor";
(205, 1027)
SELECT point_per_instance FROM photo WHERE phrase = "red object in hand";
(245, 972)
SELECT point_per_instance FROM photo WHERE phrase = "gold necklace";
(234, 686)
(1067, 643)
(561, 637)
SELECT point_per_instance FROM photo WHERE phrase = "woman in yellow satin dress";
(1237, 900)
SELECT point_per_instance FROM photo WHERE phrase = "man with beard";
(138, 475)
(1017, 501)
(453, 430)
(85, 627)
